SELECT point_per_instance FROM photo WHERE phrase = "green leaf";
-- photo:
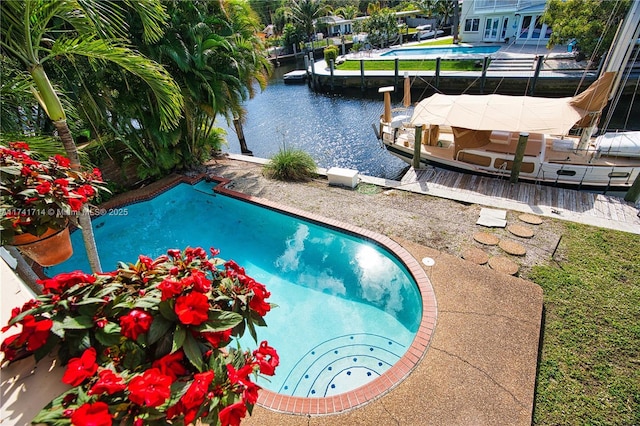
(179, 336)
(90, 300)
(109, 335)
(159, 327)
(220, 321)
(193, 353)
(252, 331)
(77, 323)
(166, 310)
(133, 355)
(146, 302)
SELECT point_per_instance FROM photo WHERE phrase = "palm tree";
(305, 12)
(214, 53)
(37, 31)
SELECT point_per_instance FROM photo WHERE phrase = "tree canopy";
(592, 23)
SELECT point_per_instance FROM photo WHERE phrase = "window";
(472, 25)
(526, 23)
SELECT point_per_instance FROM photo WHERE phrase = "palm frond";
(165, 89)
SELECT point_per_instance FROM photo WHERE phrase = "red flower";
(96, 174)
(62, 161)
(240, 377)
(175, 253)
(171, 365)
(74, 203)
(61, 182)
(146, 261)
(151, 389)
(80, 369)
(217, 337)
(170, 288)
(44, 187)
(96, 414)
(34, 333)
(267, 358)
(250, 393)
(233, 266)
(62, 282)
(8, 348)
(193, 308)
(257, 302)
(86, 191)
(135, 323)
(231, 415)
(19, 145)
(195, 396)
(200, 281)
(108, 382)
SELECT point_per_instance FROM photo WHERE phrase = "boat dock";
(589, 208)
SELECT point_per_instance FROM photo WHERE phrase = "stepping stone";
(486, 238)
(512, 247)
(530, 219)
(520, 231)
(475, 255)
(503, 264)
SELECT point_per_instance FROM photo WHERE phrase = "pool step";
(342, 364)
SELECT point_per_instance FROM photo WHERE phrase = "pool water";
(347, 308)
(443, 51)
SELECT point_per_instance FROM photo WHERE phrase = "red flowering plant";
(150, 343)
(38, 195)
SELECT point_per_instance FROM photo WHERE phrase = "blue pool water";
(442, 51)
(347, 308)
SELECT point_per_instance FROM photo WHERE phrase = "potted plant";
(150, 343)
(37, 199)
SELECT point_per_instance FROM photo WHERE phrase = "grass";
(589, 369)
(410, 65)
(291, 165)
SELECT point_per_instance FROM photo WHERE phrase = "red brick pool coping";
(368, 392)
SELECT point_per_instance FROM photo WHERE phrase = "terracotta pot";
(51, 248)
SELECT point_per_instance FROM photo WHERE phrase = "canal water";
(336, 129)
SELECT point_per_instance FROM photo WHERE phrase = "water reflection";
(334, 129)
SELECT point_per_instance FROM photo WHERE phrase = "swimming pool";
(436, 52)
(368, 305)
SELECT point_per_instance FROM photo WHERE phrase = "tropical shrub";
(291, 164)
(149, 343)
(331, 54)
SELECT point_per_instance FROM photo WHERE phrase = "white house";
(508, 21)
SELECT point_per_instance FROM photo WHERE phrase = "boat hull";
(586, 177)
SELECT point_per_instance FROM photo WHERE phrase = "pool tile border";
(368, 392)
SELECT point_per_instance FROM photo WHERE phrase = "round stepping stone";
(486, 238)
(503, 264)
(530, 219)
(520, 231)
(475, 255)
(512, 247)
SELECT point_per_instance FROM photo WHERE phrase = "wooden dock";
(578, 206)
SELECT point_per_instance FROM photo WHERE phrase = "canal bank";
(512, 69)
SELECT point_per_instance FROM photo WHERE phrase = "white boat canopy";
(513, 113)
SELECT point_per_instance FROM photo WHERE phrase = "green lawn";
(590, 358)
